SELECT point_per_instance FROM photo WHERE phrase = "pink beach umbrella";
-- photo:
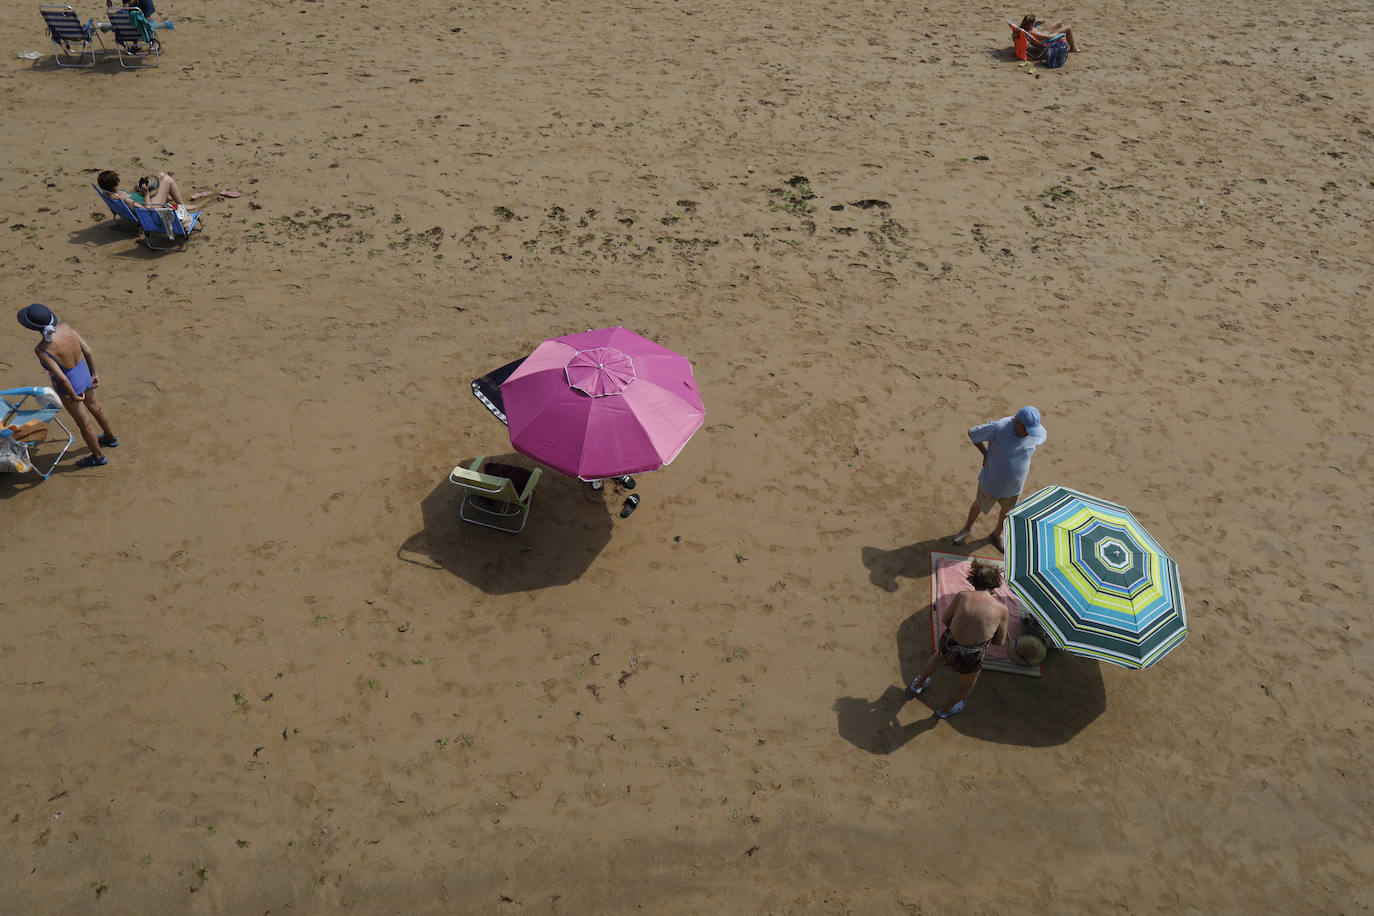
(602, 403)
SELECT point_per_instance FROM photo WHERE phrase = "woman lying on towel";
(1044, 31)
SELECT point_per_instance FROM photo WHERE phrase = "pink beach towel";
(949, 576)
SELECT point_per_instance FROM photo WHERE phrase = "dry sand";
(257, 665)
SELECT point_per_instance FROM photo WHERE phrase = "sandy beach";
(256, 664)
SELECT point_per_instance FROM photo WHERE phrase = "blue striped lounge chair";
(72, 39)
(134, 39)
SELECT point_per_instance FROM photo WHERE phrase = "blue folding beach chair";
(134, 39)
(160, 224)
(23, 427)
(71, 38)
(123, 213)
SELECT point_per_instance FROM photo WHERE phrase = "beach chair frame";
(502, 507)
(155, 228)
(12, 413)
(132, 44)
(1024, 43)
(66, 30)
(124, 217)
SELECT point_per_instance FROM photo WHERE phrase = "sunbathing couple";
(160, 191)
(1044, 31)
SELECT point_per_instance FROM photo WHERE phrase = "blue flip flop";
(90, 461)
(914, 690)
(108, 442)
(953, 710)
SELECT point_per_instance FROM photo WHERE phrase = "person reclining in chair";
(1043, 32)
(165, 191)
(146, 8)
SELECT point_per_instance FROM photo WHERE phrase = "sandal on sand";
(108, 442)
(227, 193)
(90, 461)
(961, 537)
(915, 690)
(953, 710)
(199, 194)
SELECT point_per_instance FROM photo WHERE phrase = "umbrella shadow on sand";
(1003, 708)
(569, 525)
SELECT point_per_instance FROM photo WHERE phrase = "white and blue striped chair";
(22, 428)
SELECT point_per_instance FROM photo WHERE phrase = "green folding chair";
(495, 495)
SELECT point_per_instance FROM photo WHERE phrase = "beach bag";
(14, 456)
(1056, 52)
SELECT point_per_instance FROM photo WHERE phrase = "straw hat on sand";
(1028, 650)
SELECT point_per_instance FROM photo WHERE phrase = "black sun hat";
(37, 317)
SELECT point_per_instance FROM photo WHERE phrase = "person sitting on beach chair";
(1040, 33)
(146, 8)
(161, 191)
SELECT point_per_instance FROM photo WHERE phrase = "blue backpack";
(1055, 53)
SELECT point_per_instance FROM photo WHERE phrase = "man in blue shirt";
(1010, 443)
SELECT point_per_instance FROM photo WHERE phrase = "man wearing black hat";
(69, 361)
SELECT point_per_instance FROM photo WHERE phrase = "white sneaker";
(961, 536)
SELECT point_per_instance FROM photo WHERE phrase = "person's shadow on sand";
(1004, 708)
(911, 561)
(873, 726)
(569, 525)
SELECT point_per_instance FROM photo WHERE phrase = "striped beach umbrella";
(1095, 578)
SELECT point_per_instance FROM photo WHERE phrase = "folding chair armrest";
(477, 463)
(529, 487)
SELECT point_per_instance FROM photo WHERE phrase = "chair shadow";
(1004, 708)
(141, 252)
(106, 63)
(102, 233)
(109, 231)
(12, 485)
(1006, 55)
(568, 527)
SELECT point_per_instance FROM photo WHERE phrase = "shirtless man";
(69, 361)
(167, 191)
(972, 621)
